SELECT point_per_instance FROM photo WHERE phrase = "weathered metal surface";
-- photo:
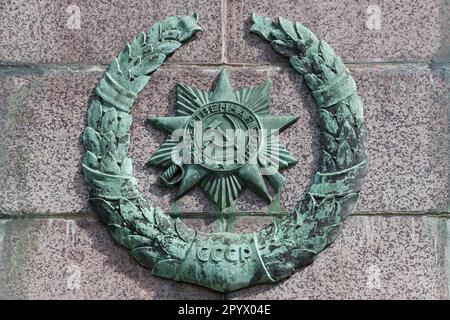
(225, 261)
(228, 138)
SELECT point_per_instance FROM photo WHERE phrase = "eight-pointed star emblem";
(229, 141)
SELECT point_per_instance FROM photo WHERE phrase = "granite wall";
(52, 54)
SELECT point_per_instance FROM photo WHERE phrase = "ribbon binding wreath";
(167, 246)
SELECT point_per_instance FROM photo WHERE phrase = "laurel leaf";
(171, 35)
(343, 114)
(122, 147)
(339, 66)
(328, 122)
(188, 25)
(347, 133)
(151, 63)
(125, 139)
(114, 68)
(125, 237)
(163, 221)
(169, 23)
(91, 139)
(327, 163)
(288, 28)
(329, 143)
(123, 79)
(124, 125)
(347, 204)
(119, 233)
(109, 164)
(167, 47)
(361, 132)
(148, 212)
(331, 231)
(355, 107)
(361, 150)
(148, 256)
(136, 241)
(134, 71)
(316, 63)
(283, 48)
(306, 207)
(278, 269)
(137, 44)
(123, 58)
(129, 211)
(167, 268)
(90, 160)
(344, 155)
(148, 49)
(312, 81)
(262, 26)
(138, 84)
(108, 143)
(325, 209)
(326, 53)
(106, 212)
(121, 153)
(109, 120)
(323, 72)
(95, 115)
(154, 33)
(306, 34)
(127, 167)
(327, 74)
(299, 64)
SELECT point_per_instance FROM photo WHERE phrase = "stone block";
(77, 259)
(373, 258)
(358, 30)
(93, 32)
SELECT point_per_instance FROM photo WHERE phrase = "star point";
(224, 90)
(169, 124)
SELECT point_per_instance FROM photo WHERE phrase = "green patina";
(224, 261)
(229, 140)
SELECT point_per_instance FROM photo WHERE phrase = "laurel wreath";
(225, 261)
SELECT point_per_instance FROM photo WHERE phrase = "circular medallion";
(222, 135)
(224, 261)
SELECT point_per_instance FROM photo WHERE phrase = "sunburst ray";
(274, 153)
(223, 190)
(190, 99)
(256, 98)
